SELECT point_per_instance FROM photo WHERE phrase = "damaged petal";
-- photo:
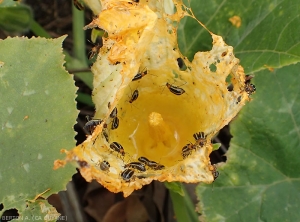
(162, 109)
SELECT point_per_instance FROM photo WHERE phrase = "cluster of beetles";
(140, 165)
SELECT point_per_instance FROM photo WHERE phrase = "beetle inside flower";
(158, 119)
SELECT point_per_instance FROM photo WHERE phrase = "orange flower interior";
(157, 115)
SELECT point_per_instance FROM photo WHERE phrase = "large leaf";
(268, 35)
(14, 17)
(37, 115)
(261, 179)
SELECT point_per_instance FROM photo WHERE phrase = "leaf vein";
(250, 30)
(288, 107)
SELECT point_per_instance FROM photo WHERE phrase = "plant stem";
(79, 35)
(183, 207)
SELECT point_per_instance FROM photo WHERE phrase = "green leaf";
(96, 33)
(175, 187)
(182, 203)
(216, 146)
(261, 179)
(14, 17)
(268, 36)
(86, 77)
(85, 98)
(37, 115)
(38, 30)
